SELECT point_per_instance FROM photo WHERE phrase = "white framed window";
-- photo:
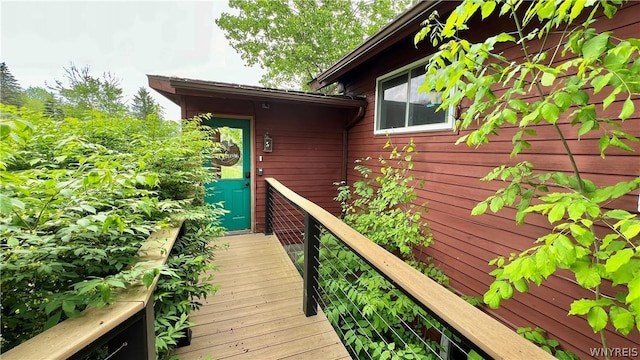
(400, 108)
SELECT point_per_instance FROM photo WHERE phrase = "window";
(401, 108)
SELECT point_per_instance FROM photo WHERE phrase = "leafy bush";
(189, 281)
(382, 320)
(537, 336)
(382, 208)
(77, 199)
(567, 67)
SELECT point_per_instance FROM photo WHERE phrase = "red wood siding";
(307, 146)
(463, 243)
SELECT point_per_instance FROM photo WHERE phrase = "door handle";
(247, 175)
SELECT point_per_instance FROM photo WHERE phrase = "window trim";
(449, 112)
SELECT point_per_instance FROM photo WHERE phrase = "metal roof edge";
(263, 93)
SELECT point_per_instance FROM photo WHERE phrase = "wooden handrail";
(493, 337)
(74, 334)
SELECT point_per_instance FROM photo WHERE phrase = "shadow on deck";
(257, 313)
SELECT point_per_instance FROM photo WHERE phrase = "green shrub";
(77, 199)
(381, 320)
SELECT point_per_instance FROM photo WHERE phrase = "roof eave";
(225, 90)
(377, 41)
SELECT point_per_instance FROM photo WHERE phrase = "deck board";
(257, 313)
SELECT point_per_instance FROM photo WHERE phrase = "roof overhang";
(174, 88)
(406, 24)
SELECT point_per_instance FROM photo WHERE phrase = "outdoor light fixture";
(268, 143)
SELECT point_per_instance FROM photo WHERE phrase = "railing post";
(138, 340)
(311, 264)
(268, 210)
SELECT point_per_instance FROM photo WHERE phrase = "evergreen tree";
(10, 90)
(53, 109)
(144, 105)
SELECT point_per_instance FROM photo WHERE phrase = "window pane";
(228, 161)
(422, 109)
(393, 102)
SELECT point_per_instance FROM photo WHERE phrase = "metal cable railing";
(380, 306)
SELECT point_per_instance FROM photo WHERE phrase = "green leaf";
(566, 250)
(580, 97)
(582, 235)
(92, 178)
(492, 298)
(550, 112)
(562, 99)
(116, 283)
(556, 213)
(588, 277)
(548, 79)
(504, 37)
(627, 109)
(610, 98)
(615, 141)
(582, 306)
(496, 204)
(52, 320)
(505, 289)
(479, 209)
(618, 259)
(487, 8)
(5, 205)
(576, 9)
(147, 278)
(629, 231)
(634, 289)
(69, 307)
(622, 319)
(600, 82)
(5, 130)
(594, 47)
(105, 293)
(597, 318)
(576, 209)
(521, 285)
(603, 144)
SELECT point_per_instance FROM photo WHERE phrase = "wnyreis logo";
(614, 352)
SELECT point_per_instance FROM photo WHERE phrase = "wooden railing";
(491, 337)
(126, 327)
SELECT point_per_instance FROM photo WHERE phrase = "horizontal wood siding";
(463, 243)
(307, 146)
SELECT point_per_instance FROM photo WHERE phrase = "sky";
(129, 39)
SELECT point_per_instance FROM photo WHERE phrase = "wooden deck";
(257, 313)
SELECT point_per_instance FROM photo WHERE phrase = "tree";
(144, 105)
(81, 92)
(10, 90)
(295, 40)
(40, 100)
(596, 243)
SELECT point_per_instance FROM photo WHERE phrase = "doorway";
(232, 166)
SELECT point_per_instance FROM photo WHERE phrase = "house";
(310, 141)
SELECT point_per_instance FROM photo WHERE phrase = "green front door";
(233, 167)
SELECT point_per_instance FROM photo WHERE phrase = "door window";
(227, 161)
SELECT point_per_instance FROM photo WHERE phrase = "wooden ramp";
(257, 313)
